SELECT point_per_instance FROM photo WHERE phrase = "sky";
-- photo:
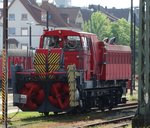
(108, 3)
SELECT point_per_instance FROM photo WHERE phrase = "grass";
(35, 119)
(133, 97)
(27, 119)
(129, 126)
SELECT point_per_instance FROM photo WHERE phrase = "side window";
(89, 43)
(85, 43)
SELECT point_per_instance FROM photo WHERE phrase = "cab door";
(86, 55)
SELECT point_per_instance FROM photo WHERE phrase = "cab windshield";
(51, 41)
(67, 42)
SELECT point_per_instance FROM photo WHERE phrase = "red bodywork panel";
(73, 57)
(115, 62)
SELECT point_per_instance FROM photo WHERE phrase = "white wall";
(17, 8)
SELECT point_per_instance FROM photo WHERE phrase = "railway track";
(120, 107)
(114, 120)
(108, 122)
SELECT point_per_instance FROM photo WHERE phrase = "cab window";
(72, 42)
(51, 41)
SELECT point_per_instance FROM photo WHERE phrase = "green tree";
(98, 24)
(103, 27)
(121, 30)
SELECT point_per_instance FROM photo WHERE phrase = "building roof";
(71, 11)
(33, 9)
(119, 13)
(55, 14)
(86, 14)
(112, 13)
(110, 16)
(12, 41)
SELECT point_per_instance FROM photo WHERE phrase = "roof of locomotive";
(87, 33)
(66, 32)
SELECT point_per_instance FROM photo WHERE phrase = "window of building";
(79, 25)
(24, 31)
(49, 16)
(24, 17)
(79, 15)
(43, 16)
(12, 46)
(24, 46)
(11, 31)
(11, 17)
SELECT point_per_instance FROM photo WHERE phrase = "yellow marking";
(54, 58)
(40, 64)
(72, 85)
(4, 77)
(53, 62)
(51, 76)
(41, 69)
(40, 58)
(53, 68)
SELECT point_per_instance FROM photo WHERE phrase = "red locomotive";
(73, 71)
